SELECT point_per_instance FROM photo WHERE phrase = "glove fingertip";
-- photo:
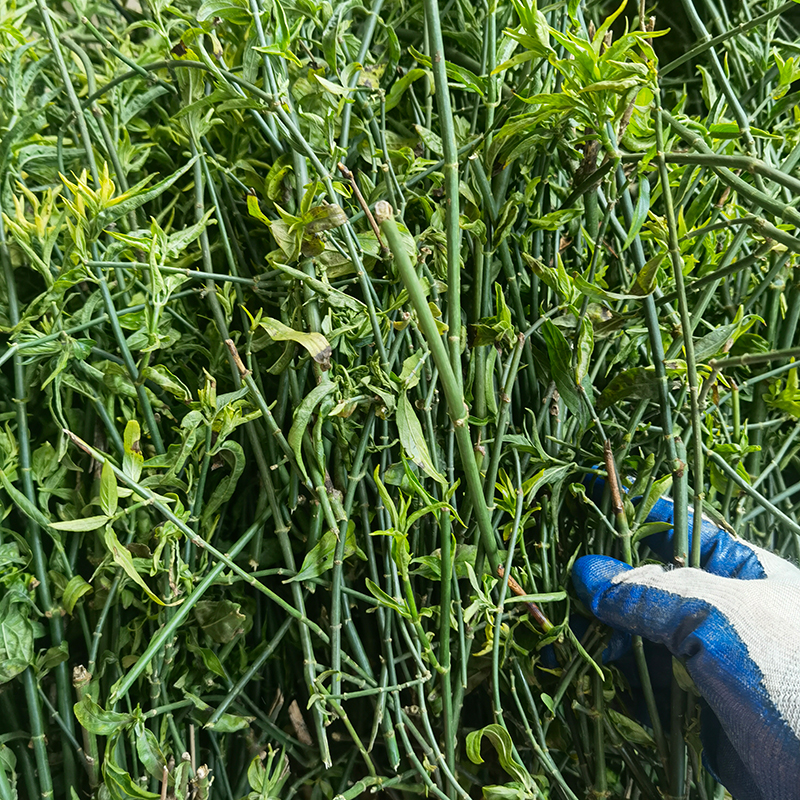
(592, 575)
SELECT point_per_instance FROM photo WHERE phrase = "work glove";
(735, 624)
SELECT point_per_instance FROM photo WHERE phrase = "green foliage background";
(262, 453)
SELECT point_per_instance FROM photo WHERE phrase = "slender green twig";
(454, 394)
(452, 197)
(688, 343)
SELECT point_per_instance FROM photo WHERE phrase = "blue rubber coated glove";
(735, 624)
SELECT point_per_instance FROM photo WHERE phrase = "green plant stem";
(447, 577)
(338, 558)
(38, 742)
(781, 210)
(55, 46)
(452, 198)
(251, 672)
(453, 390)
(754, 358)
(139, 70)
(744, 163)
(713, 277)
(189, 273)
(599, 744)
(732, 32)
(130, 364)
(498, 620)
(34, 540)
(503, 419)
(759, 498)
(698, 479)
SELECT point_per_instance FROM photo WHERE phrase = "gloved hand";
(735, 624)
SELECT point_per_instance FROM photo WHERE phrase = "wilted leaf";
(638, 383)
(315, 343)
(97, 720)
(123, 558)
(221, 620)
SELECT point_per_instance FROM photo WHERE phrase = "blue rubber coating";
(747, 743)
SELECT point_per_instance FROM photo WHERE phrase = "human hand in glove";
(735, 624)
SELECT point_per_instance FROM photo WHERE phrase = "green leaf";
(118, 783)
(220, 620)
(556, 278)
(498, 329)
(646, 279)
(638, 383)
(501, 740)
(133, 460)
(108, 490)
(254, 209)
(554, 220)
(22, 502)
(640, 212)
(281, 31)
(412, 366)
(122, 557)
(235, 12)
(74, 590)
(268, 772)
(629, 730)
(227, 723)
(387, 600)
(333, 88)
(135, 198)
(315, 343)
(161, 376)
(585, 348)
(16, 635)
(468, 79)
(319, 559)
(730, 130)
(401, 84)
(431, 508)
(81, 525)
(149, 752)
(385, 498)
(649, 529)
(722, 338)
(98, 721)
(560, 356)
(51, 658)
(515, 61)
(323, 218)
(431, 140)
(212, 662)
(545, 477)
(599, 294)
(227, 486)
(302, 417)
(413, 440)
(660, 488)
